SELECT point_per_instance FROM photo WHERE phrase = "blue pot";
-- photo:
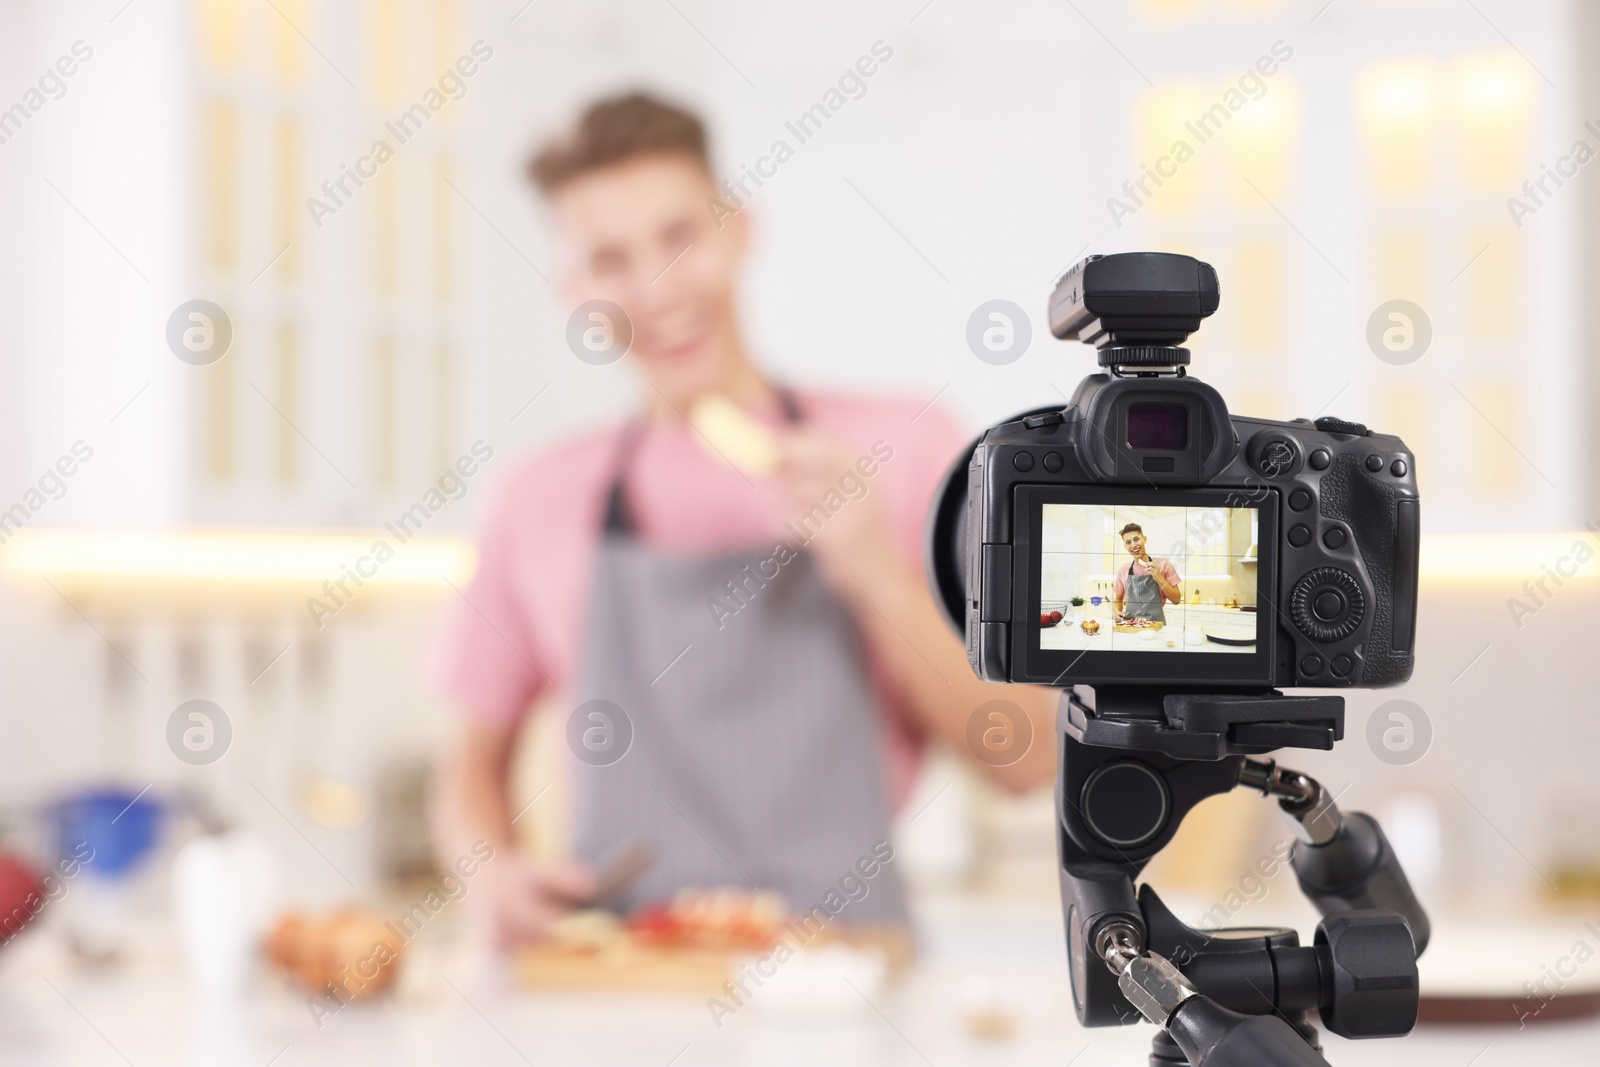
(119, 824)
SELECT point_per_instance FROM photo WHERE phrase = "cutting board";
(626, 964)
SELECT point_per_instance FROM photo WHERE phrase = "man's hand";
(855, 547)
(517, 897)
(854, 542)
(1152, 567)
(520, 898)
(1168, 589)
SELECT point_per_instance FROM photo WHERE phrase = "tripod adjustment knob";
(1369, 974)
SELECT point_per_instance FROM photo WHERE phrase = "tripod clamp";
(1226, 996)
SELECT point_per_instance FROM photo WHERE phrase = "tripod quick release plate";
(1202, 726)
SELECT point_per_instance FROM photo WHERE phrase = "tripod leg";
(1211, 1034)
(1166, 1052)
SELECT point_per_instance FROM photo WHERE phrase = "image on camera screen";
(1121, 578)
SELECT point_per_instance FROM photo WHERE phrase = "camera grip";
(1384, 524)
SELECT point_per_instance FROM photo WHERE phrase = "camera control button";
(1334, 538)
(1375, 463)
(1327, 604)
(1276, 458)
(1049, 418)
(1299, 536)
(1312, 664)
(1053, 462)
(1329, 424)
(1299, 500)
(1320, 459)
(1343, 664)
(1398, 468)
(1023, 461)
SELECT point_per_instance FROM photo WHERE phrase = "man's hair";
(615, 130)
(1132, 527)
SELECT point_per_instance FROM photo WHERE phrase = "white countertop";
(1183, 632)
(466, 1012)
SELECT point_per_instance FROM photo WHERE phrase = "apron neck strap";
(619, 519)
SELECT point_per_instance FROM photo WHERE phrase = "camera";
(1141, 535)
(1170, 566)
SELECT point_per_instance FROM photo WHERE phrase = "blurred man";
(751, 661)
(1145, 589)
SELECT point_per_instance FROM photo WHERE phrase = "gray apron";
(756, 758)
(1144, 599)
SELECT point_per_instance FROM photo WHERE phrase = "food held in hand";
(1090, 626)
(352, 951)
(734, 435)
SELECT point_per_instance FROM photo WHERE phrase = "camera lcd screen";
(1163, 426)
(1148, 578)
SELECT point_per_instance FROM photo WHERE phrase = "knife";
(619, 871)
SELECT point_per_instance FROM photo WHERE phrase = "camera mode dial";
(1327, 604)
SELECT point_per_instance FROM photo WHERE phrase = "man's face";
(639, 234)
(1133, 541)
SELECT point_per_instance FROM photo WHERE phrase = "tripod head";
(1134, 763)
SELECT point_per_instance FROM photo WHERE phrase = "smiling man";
(762, 746)
(1144, 590)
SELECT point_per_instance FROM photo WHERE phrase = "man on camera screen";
(1148, 585)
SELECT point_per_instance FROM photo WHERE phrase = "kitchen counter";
(1184, 630)
(463, 1010)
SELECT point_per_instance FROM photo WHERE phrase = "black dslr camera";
(1310, 527)
(1170, 566)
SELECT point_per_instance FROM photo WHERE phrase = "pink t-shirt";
(1168, 571)
(518, 635)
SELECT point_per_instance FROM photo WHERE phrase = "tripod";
(1134, 762)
